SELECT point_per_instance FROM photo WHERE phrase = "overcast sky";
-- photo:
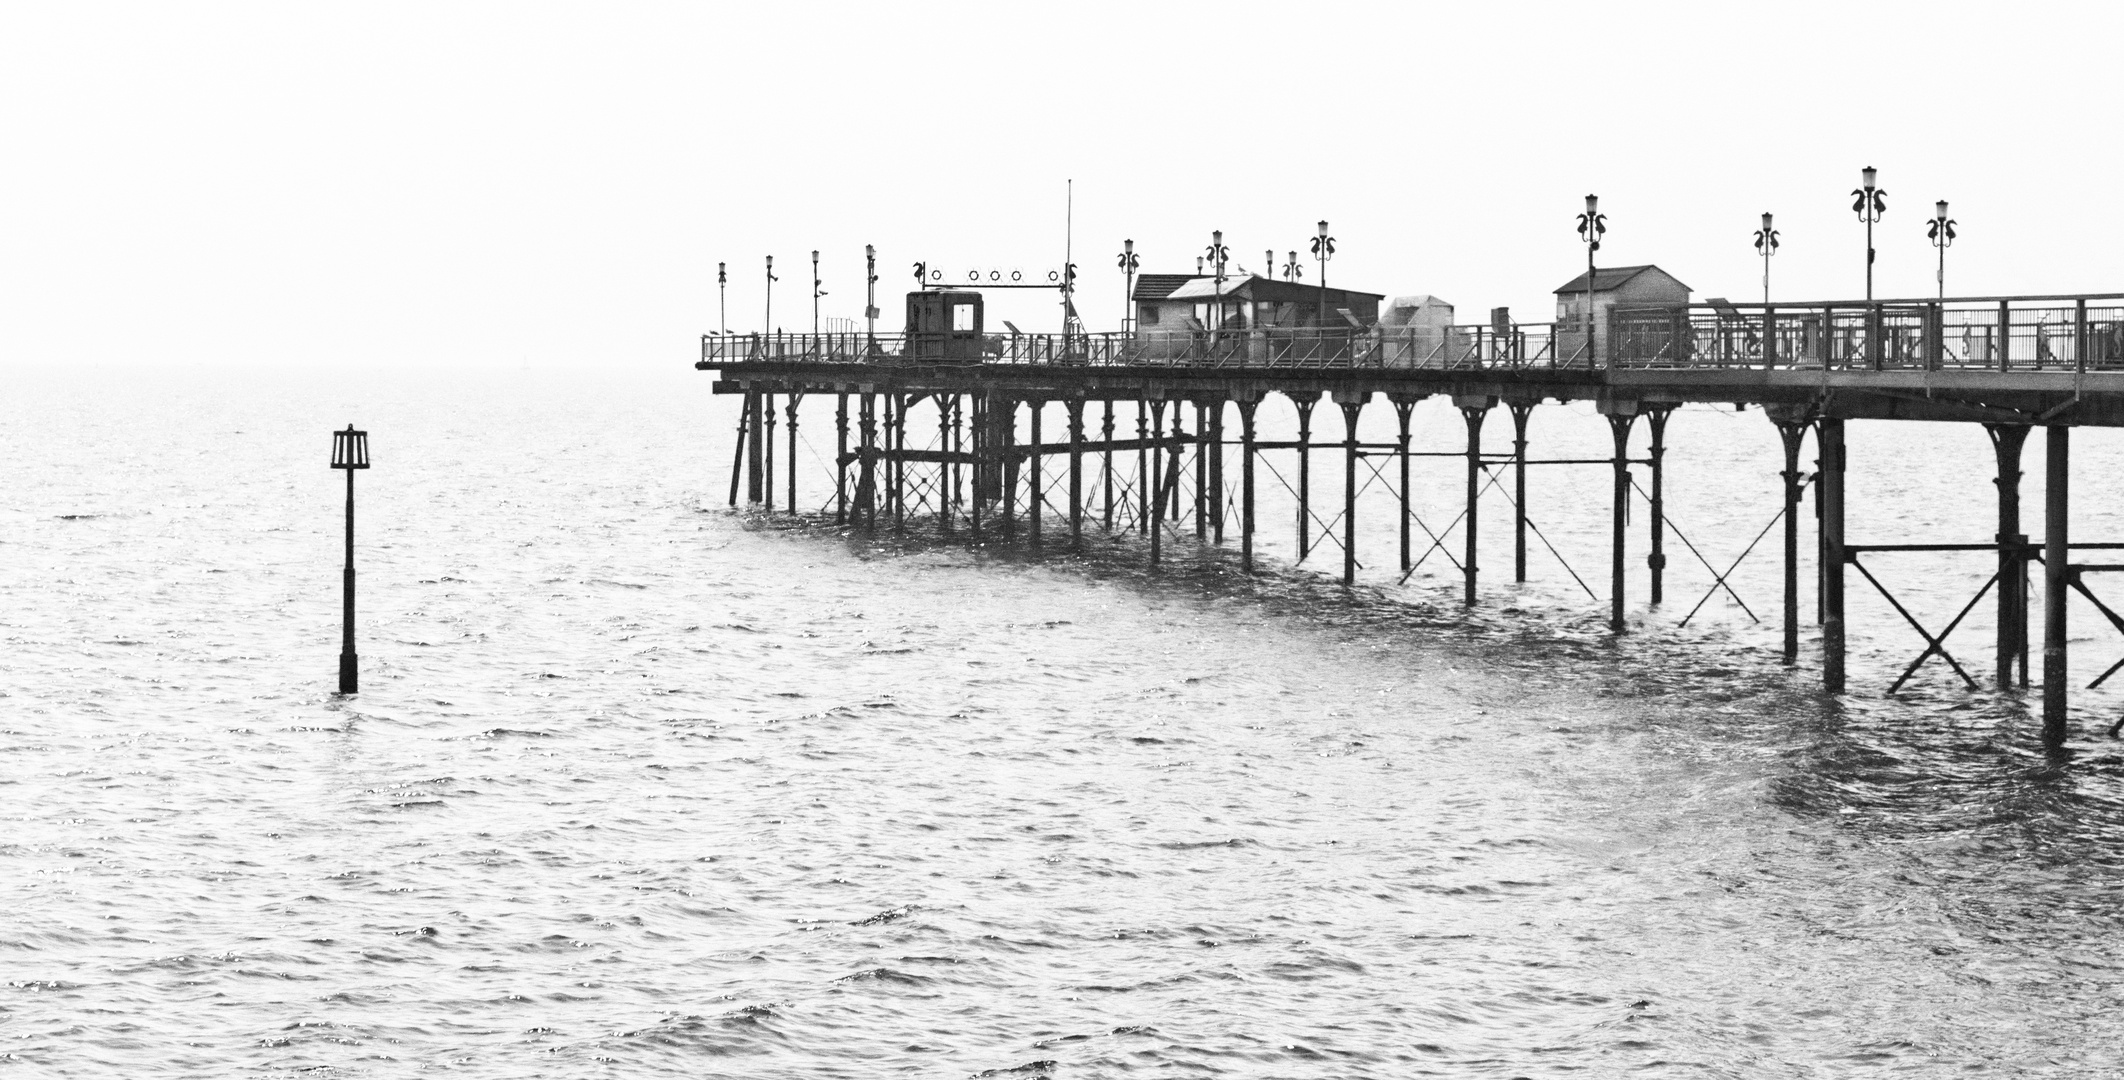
(497, 185)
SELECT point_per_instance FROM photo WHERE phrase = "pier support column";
(1154, 473)
(1106, 502)
(791, 409)
(2057, 575)
(1075, 409)
(767, 450)
(1522, 411)
(866, 464)
(1352, 403)
(1247, 405)
(944, 467)
(1792, 433)
(1472, 409)
(1213, 445)
(900, 405)
(1003, 442)
(1202, 471)
(748, 453)
(1304, 400)
(1656, 559)
(1143, 468)
(840, 458)
(1829, 440)
(1621, 415)
(976, 443)
(1404, 405)
(1178, 444)
(2006, 443)
(1034, 408)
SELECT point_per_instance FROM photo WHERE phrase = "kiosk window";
(962, 317)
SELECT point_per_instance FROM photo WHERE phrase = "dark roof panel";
(1608, 278)
(1156, 286)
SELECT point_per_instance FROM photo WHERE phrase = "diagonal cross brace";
(1933, 645)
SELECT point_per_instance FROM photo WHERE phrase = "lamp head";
(1128, 247)
(350, 449)
(1940, 209)
(1323, 230)
(1592, 205)
(1766, 221)
(870, 251)
(1867, 175)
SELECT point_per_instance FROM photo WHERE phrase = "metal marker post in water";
(350, 451)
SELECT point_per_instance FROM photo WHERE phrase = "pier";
(946, 425)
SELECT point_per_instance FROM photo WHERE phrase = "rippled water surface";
(641, 786)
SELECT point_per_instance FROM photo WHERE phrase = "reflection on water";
(638, 786)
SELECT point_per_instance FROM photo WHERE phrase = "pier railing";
(2007, 334)
(2034, 333)
(1436, 348)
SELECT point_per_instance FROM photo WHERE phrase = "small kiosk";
(944, 325)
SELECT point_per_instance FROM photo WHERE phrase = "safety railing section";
(2005, 334)
(1442, 348)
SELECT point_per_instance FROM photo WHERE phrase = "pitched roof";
(1608, 278)
(1256, 287)
(1157, 286)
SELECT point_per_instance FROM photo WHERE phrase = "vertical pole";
(2056, 578)
(794, 397)
(1350, 411)
(1821, 535)
(767, 449)
(1473, 414)
(1032, 472)
(977, 443)
(1793, 434)
(737, 459)
(1106, 433)
(1143, 474)
(1656, 559)
(1075, 408)
(900, 406)
(1201, 471)
(866, 465)
(1829, 439)
(2006, 443)
(1619, 426)
(1003, 431)
(1213, 443)
(1305, 405)
(1246, 483)
(1522, 411)
(944, 466)
(840, 458)
(1179, 452)
(349, 663)
(1156, 501)
(755, 477)
(1403, 406)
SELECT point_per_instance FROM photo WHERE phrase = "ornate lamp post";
(1941, 233)
(870, 296)
(1323, 249)
(1216, 255)
(1766, 242)
(1591, 226)
(722, 297)
(350, 451)
(1870, 204)
(816, 292)
(1128, 265)
(1291, 270)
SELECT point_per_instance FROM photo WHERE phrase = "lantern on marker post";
(350, 451)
